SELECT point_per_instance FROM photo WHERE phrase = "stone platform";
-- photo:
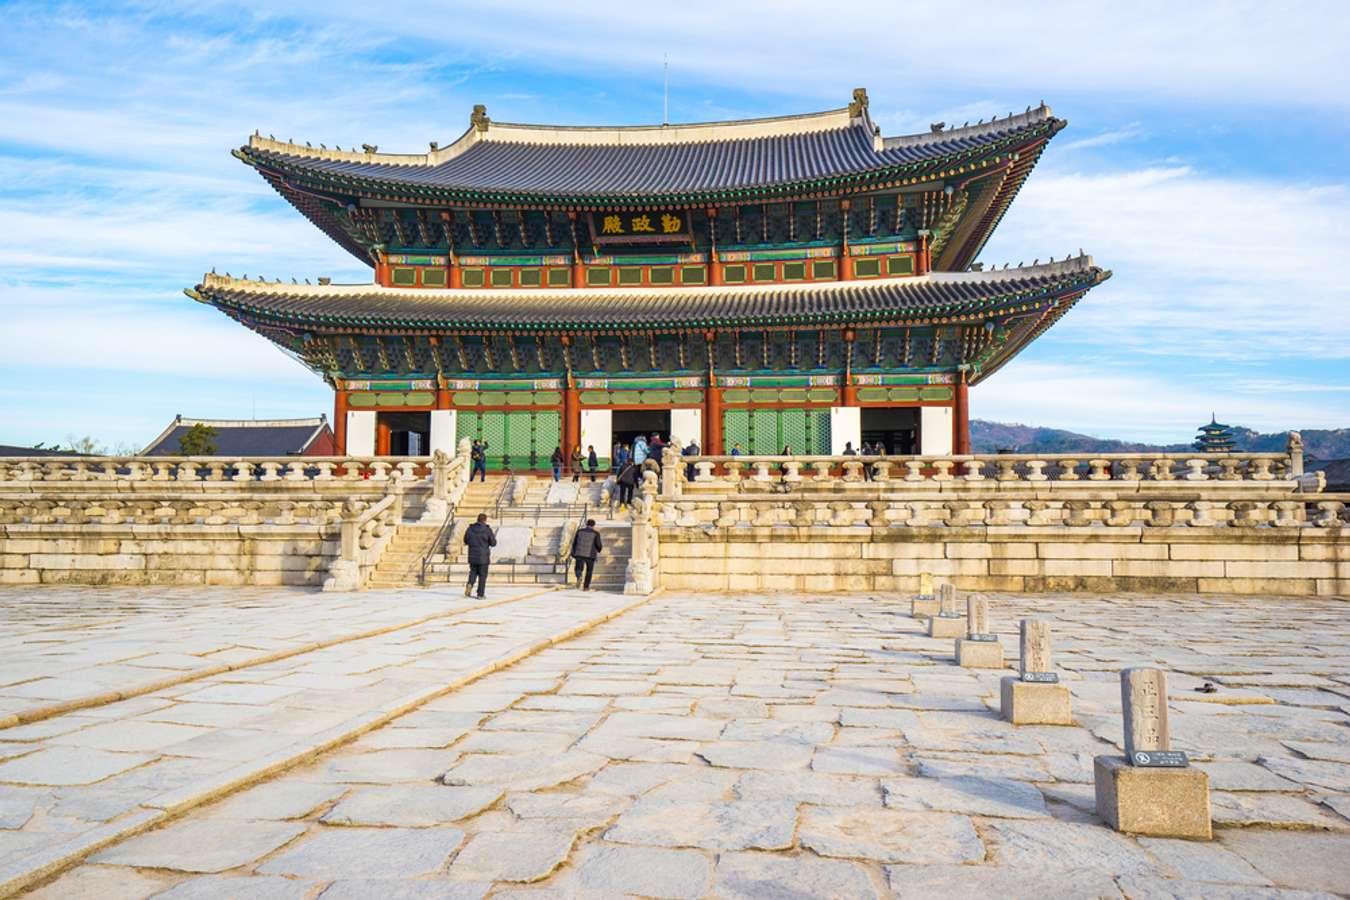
(728, 746)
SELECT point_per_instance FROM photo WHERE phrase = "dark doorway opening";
(627, 424)
(896, 428)
(408, 433)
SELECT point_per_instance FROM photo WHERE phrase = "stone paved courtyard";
(726, 745)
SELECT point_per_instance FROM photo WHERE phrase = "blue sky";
(1204, 163)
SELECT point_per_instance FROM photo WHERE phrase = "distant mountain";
(990, 437)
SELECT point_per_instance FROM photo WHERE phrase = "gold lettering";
(642, 223)
(670, 224)
(612, 225)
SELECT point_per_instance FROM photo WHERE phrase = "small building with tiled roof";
(251, 437)
(801, 280)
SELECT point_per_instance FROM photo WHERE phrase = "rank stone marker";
(979, 649)
(925, 604)
(1034, 696)
(948, 623)
(1151, 790)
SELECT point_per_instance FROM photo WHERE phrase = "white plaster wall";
(686, 425)
(597, 430)
(360, 432)
(935, 430)
(443, 431)
(845, 428)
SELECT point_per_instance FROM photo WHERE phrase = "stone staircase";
(401, 563)
(534, 529)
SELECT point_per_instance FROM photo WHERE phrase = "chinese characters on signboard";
(640, 226)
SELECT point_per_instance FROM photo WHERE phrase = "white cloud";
(1234, 52)
(1222, 268)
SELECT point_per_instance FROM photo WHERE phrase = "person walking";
(578, 461)
(626, 479)
(557, 461)
(616, 456)
(639, 451)
(736, 450)
(478, 459)
(480, 540)
(586, 546)
(656, 450)
(592, 461)
(689, 470)
(848, 449)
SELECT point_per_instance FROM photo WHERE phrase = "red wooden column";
(340, 420)
(961, 416)
(712, 417)
(848, 393)
(383, 437)
(571, 409)
(921, 264)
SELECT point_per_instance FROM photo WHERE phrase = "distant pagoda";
(799, 281)
(1215, 437)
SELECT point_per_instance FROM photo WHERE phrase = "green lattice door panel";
(765, 432)
(735, 430)
(516, 440)
(547, 435)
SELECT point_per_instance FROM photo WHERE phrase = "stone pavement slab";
(89, 786)
(921, 789)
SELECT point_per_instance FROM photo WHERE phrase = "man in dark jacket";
(627, 480)
(586, 546)
(478, 457)
(479, 538)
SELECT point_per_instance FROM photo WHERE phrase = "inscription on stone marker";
(1143, 700)
(925, 585)
(977, 617)
(1041, 677)
(947, 601)
(1034, 652)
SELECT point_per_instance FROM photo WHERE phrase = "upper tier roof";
(494, 161)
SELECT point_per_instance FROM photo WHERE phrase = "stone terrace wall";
(264, 554)
(1053, 558)
(211, 520)
(1233, 523)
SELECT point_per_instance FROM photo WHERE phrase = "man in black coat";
(586, 546)
(479, 538)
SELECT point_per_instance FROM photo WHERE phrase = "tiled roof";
(934, 297)
(552, 162)
(243, 437)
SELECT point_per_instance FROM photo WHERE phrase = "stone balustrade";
(243, 470)
(202, 510)
(1291, 510)
(880, 472)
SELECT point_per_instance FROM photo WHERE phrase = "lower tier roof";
(1012, 305)
(934, 297)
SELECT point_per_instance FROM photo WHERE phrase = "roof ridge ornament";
(858, 104)
(479, 118)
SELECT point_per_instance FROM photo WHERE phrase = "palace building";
(800, 281)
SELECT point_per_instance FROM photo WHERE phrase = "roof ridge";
(939, 132)
(482, 128)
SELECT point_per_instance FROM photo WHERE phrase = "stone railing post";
(344, 574)
(1295, 449)
(672, 473)
(703, 471)
(881, 470)
(639, 578)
